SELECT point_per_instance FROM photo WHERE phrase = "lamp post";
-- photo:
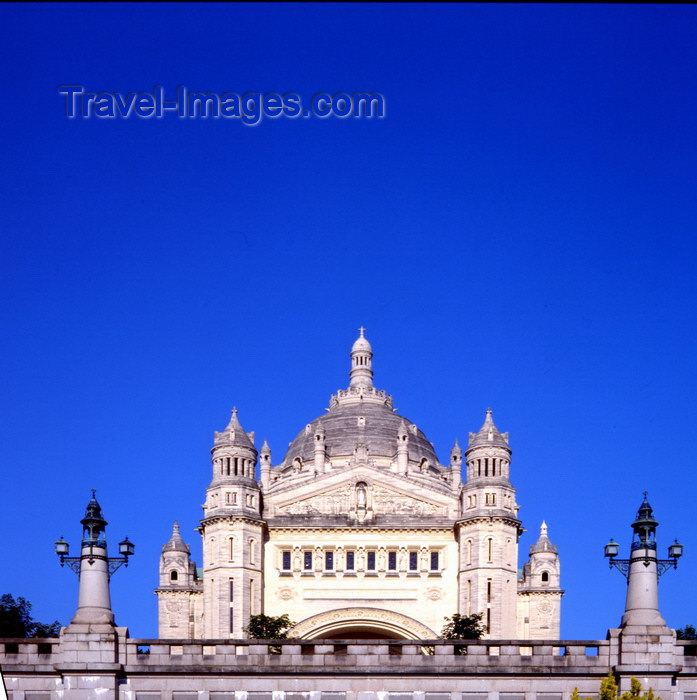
(643, 569)
(94, 567)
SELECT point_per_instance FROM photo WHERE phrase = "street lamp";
(93, 538)
(644, 539)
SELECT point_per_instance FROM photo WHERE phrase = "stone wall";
(101, 666)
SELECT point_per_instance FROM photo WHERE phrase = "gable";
(373, 490)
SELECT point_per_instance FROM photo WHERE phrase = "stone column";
(94, 598)
(641, 607)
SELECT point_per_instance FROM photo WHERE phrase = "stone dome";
(350, 425)
(361, 425)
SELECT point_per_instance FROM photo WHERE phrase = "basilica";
(360, 532)
(367, 542)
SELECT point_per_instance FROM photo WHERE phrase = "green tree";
(16, 620)
(634, 692)
(463, 627)
(609, 691)
(687, 632)
(608, 688)
(268, 627)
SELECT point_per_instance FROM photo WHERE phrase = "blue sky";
(517, 232)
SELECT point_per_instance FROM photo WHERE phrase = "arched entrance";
(361, 623)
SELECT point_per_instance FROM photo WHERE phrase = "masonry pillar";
(94, 598)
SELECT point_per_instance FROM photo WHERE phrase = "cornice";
(332, 530)
(205, 522)
(498, 516)
(188, 591)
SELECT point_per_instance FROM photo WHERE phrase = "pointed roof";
(402, 430)
(543, 544)
(93, 513)
(457, 450)
(234, 434)
(175, 543)
(488, 434)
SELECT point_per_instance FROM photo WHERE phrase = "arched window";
(231, 546)
(545, 577)
(173, 576)
(252, 550)
(490, 550)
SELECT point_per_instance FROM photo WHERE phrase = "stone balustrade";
(254, 656)
(74, 665)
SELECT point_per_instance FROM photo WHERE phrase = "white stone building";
(360, 532)
(93, 659)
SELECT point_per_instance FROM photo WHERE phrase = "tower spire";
(362, 362)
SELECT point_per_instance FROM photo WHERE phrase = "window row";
(230, 498)
(490, 499)
(361, 559)
(489, 466)
(234, 466)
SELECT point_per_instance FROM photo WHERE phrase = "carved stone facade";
(360, 532)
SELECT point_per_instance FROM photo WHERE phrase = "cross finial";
(362, 330)
(646, 493)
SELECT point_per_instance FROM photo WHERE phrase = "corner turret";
(539, 592)
(232, 530)
(488, 532)
(233, 486)
(179, 595)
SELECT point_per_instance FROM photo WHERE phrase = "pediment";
(362, 490)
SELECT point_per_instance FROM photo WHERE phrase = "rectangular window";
(329, 561)
(232, 590)
(371, 561)
(350, 565)
(413, 561)
(392, 561)
(434, 561)
(307, 561)
(286, 560)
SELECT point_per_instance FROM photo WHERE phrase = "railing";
(257, 656)
(37, 652)
(355, 656)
